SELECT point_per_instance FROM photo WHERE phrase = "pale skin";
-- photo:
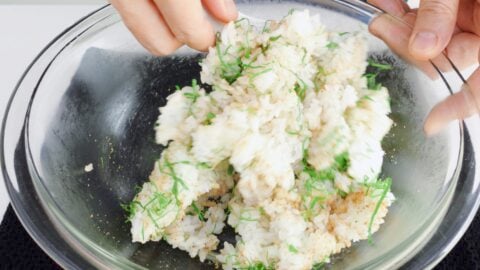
(162, 26)
(450, 26)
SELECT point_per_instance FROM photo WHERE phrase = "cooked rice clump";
(286, 149)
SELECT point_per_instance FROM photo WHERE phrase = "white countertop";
(24, 31)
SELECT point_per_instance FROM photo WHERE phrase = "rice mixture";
(286, 149)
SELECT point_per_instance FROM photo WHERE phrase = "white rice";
(286, 148)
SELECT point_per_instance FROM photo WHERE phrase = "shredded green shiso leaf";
(155, 208)
(377, 68)
(230, 70)
(198, 212)
(292, 249)
(167, 168)
(315, 182)
(384, 186)
(332, 45)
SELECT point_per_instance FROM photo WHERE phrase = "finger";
(223, 10)
(146, 23)
(468, 16)
(396, 35)
(461, 105)
(433, 28)
(188, 22)
(394, 7)
(464, 49)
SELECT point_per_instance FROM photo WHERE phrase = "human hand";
(162, 26)
(452, 26)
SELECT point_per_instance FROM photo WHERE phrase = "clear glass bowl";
(92, 96)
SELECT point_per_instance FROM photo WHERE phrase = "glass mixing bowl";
(92, 96)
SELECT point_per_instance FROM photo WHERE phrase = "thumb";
(433, 28)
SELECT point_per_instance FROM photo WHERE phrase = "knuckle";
(439, 7)
(184, 35)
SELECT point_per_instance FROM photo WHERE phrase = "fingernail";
(230, 8)
(424, 42)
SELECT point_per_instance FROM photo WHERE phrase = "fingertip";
(231, 12)
(434, 123)
(424, 45)
(223, 10)
(147, 25)
(455, 107)
(206, 44)
(188, 22)
(197, 41)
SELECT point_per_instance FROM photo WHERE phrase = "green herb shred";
(195, 94)
(372, 83)
(230, 71)
(177, 181)
(318, 266)
(332, 45)
(380, 66)
(237, 22)
(131, 208)
(199, 213)
(292, 249)
(371, 77)
(203, 165)
(195, 84)
(257, 266)
(266, 25)
(341, 193)
(300, 91)
(274, 38)
(210, 116)
(342, 162)
(230, 170)
(385, 186)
